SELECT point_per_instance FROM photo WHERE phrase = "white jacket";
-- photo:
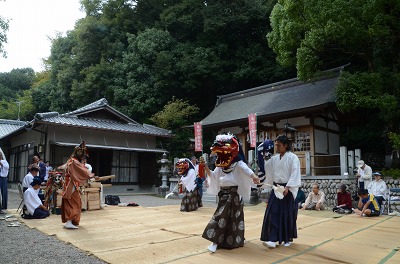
(366, 175)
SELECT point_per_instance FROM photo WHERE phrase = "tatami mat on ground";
(165, 235)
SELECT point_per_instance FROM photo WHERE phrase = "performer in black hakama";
(231, 180)
(187, 172)
(283, 169)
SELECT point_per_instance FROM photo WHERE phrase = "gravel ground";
(25, 245)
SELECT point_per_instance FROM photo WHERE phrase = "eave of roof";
(104, 125)
(282, 99)
(9, 127)
(68, 144)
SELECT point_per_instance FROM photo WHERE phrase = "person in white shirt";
(4, 167)
(48, 169)
(33, 203)
(378, 188)
(195, 164)
(87, 165)
(315, 199)
(26, 182)
(280, 217)
(364, 174)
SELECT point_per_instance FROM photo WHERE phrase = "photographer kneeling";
(368, 204)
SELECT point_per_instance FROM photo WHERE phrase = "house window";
(125, 167)
(19, 161)
(302, 141)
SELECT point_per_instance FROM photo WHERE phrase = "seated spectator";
(300, 198)
(367, 204)
(315, 199)
(33, 172)
(343, 201)
(378, 188)
(33, 203)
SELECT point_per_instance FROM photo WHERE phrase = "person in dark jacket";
(343, 200)
(300, 198)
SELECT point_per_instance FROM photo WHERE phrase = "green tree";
(175, 116)
(14, 82)
(150, 71)
(22, 107)
(3, 35)
(138, 54)
(317, 35)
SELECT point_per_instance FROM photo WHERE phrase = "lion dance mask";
(183, 166)
(227, 148)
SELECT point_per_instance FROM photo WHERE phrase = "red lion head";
(182, 166)
(227, 149)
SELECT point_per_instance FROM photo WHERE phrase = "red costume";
(75, 174)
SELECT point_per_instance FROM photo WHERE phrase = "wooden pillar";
(343, 160)
(308, 163)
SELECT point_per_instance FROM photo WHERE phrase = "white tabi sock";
(212, 248)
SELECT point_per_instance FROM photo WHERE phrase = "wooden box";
(93, 196)
(93, 205)
(84, 201)
(95, 184)
(58, 200)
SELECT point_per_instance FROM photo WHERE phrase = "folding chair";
(21, 195)
(390, 199)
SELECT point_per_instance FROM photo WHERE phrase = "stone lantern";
(164, 171)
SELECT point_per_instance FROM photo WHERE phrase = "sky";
(31, 24)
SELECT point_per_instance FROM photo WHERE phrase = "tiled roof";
(104, 125)
(274, 99)
(99, 104)
(76, 119)
(8, 127)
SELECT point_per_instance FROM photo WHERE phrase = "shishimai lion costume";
(232, 181)
(187, 172)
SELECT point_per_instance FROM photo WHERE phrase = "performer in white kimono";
(231, 180)
(282, 169)
(188, 180)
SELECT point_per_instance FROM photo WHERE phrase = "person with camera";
(364, 174)
(367, 204)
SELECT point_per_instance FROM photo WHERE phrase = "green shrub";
(394, 173)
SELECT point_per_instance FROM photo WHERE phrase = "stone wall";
(330, 187)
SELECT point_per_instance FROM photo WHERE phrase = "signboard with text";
(198, 137)
(253, 130)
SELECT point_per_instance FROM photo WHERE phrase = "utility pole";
(19, 108)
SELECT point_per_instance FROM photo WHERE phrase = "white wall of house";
(27, 137)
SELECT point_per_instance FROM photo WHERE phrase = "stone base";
(162, 191)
